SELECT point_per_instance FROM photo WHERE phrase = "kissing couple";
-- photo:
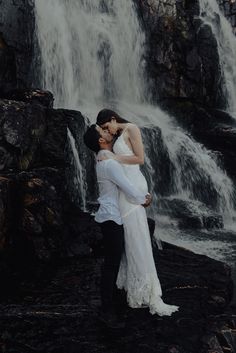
(123, 196)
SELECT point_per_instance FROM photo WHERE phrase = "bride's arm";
(137, 146)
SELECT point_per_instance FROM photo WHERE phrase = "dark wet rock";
(164, 185)
(17, 32)
(37, 181)
(41, 217)
(22, 130)
(33, 135)
(36, 212)
(60, 312)
(54, 144)
(7, 67)
(181, 57)
(44, 98)
(207, 280)
(191, 214)
(32, 215)
(4, 211)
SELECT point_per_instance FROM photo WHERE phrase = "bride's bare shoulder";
(133, 129)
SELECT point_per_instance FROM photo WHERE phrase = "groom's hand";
(148, 200)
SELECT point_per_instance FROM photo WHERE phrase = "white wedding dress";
(137, 273)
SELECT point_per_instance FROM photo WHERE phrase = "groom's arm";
(116, 174)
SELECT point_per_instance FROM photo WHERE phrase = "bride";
(137, 273)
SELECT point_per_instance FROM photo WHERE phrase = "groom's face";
(105, 134)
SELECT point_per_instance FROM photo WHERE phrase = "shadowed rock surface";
(181, 55)
(51, 253)
(58, 311)
(17, 34)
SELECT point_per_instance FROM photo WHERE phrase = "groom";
(111, 178)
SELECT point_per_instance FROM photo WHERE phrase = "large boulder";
(41, 184)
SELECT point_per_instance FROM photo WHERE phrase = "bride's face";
(111, 126)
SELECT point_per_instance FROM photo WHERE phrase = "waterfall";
(226, 41)
(91, 51)
(92, 57)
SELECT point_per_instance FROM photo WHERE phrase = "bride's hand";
(111, 155)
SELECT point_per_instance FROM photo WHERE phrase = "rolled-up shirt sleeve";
(117, 176)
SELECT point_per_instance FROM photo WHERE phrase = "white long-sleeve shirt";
(111, 178)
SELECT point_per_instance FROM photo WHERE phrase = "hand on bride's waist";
(148, 200)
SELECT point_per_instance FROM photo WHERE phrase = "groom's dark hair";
(91, 139)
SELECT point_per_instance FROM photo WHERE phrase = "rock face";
(8, 67)
(36, 213)
(16, 43)
(228, 7)
(160, 7)
(182, 58)
(23, 128)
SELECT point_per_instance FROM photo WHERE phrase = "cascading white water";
(92, 54)
(91, 51)
(79, 178)
(193, 162)
(222, 30)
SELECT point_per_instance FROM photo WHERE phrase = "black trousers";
(113, 237)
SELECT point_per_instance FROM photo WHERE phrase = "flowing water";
(223, 33)
(91, 50)
(79, 179)
(92, 57)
